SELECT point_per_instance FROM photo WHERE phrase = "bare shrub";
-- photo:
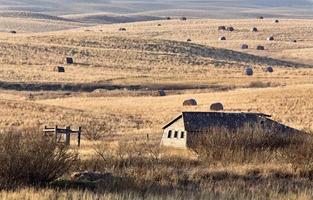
(260, 84)
(300, 156)
(127, 154)
(243, 145)
(94, 130)
(29, 158)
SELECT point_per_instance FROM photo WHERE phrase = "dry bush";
(300, 157)
(260, 84)
(146, 171)
(29, 158)
(127, 154)
(94, 130)
(246, 145)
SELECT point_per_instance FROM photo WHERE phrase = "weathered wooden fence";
(65, 133)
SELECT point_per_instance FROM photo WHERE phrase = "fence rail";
(63, 132)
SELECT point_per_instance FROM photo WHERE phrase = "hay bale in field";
(122, 29)
(69, 60)
(221, 28)
(159, 25)
(248, 71)
(260, 48)
(244, 46)
(217, 107)
(59, 69)
(222, 38)
(268, 69)
(190, 102)
(260, 17)
(162, 93)
(183, 18)
(230, 28)
(270, 38)
(254, 29)
(276, 21)
(168, 18)
(13, 32)
(294, 41)
(188, 40)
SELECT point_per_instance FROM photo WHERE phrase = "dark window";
(169, 134)
(182, 134)
(176, 134)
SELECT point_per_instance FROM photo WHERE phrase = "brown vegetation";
(121, 120)
(28, 158)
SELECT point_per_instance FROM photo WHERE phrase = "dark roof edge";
(251, 113)
(173, 121)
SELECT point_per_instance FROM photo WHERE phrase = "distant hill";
(109, 18)
(191, 8)
(47, 15)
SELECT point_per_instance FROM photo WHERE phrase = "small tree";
(29, 158)
(95, 130)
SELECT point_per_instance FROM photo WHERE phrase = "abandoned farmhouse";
(179, 132)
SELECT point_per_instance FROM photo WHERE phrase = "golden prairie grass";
(135, 174)
(47, 194)
(151, 55)
(138, 57)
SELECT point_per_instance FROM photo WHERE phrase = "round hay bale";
(59, 69)
(162, 93)
(222, 38)
(13, 32)
(254, 29)
(248, 71)
(217, 107)
(276, 21)
(122, 29)
(221, 28)
(294, 41)
(168, 18)
(270, 38)
(244, 46)
(268, 69)
(190, 102)
(260, 48)
(260, 17)
(159, 25)
(183, 18)
(188, 40)
(230, 28)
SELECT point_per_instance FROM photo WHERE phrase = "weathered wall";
(178, 142)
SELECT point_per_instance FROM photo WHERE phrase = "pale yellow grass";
(22, 25)
(290, 105)
(47, 194)
(145, 54)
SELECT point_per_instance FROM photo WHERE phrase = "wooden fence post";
(68, 136)
(56, 133)
(78, 136)
(44, 131)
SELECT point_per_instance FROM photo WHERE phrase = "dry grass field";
(112, 86)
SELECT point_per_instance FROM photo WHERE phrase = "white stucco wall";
(175, 142)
